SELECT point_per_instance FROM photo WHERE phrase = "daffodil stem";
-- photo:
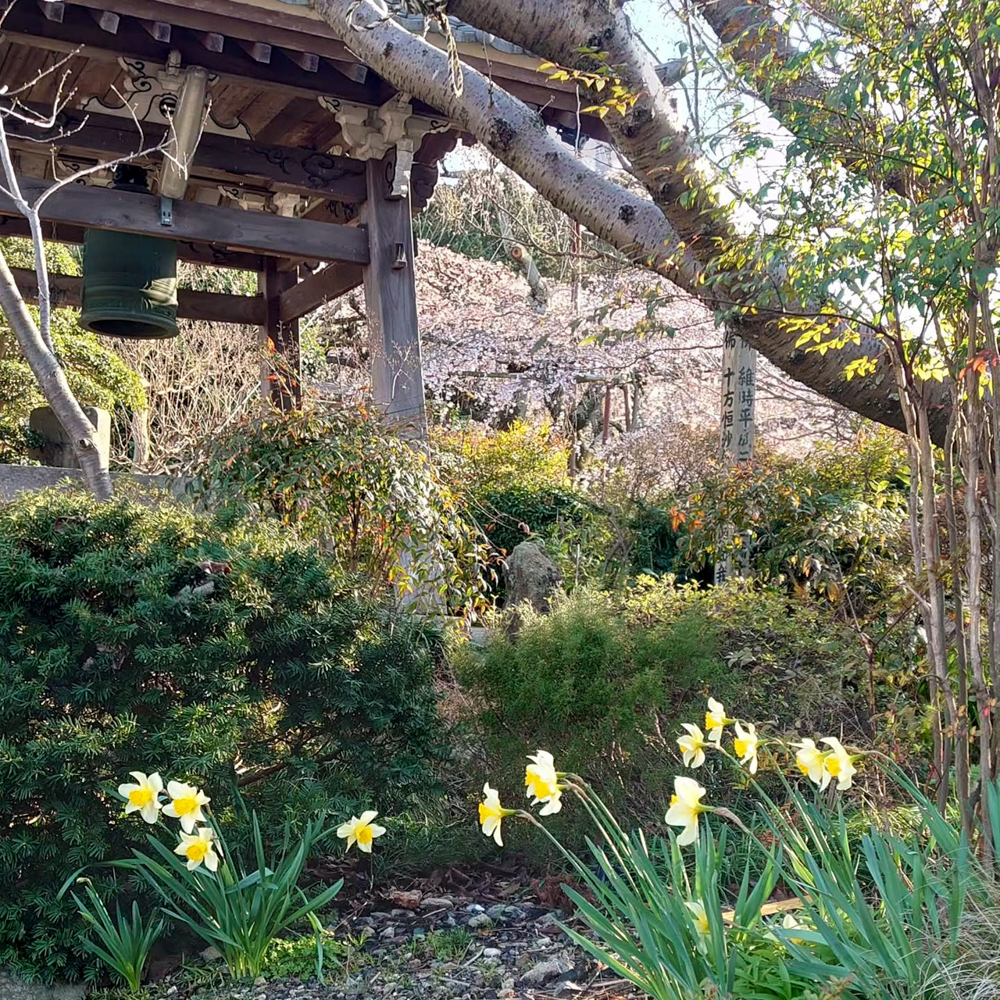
(595, 807)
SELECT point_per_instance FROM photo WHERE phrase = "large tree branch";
(686, 187)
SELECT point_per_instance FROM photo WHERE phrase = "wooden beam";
(318, 289)
(54, 10)
(212, 40)
(107, 20)
(160, 31)
(281, 367)
(257, 51)
(280, 168)
(206, 254)
(210, 307)
(128, 212)
(353, 71)
(391, 300)
(307, 61)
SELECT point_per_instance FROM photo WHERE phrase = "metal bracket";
(166, 211)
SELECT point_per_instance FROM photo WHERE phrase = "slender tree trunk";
(52, 381)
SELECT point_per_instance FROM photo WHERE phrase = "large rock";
(12, 988)
(531, 576)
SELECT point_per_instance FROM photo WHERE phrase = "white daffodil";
(144, 796)
(810, 762)
(199, 848)
(716, 720)
(685, 807)
(692, 746)
(542, 783)
(745, 746)
(697, 909)
(361, 831)
(185, 804)
(491, 813)
(837, 764)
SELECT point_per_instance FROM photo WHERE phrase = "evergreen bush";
(144, 636)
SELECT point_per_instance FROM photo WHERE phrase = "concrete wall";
(15, 479)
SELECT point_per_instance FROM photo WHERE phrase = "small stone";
(260, 981)
(172, 991)
(479, 920)
(475, 908)
(497, 912)
(436, 903)
(419, 932)
(388, 932)
(542, 972)
(492, 953)
(211, 954)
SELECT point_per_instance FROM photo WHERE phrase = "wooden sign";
(738, 429)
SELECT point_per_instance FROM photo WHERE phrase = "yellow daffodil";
(185, 805)
(685, 807)
(716, 720)
(542, 783)
(810, 762)
(144, 796)
(745, 746)
(361, 831)
(701, 924)
(837, 764)
(491, 813)
(198, 848)
(692, 746)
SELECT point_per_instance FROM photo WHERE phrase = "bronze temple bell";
(129, 281)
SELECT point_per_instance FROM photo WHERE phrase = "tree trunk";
(52, 381)
(677, 240)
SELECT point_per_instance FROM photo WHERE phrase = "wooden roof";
(277, 75)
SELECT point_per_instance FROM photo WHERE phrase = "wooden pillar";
(391, 300)
(281, 366)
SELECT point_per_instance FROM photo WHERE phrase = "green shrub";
(345, 479)
(148, 637)
(513, 483)
(482, 460)
(607, 679)
(831, 522)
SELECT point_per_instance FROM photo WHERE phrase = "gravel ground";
(478, 936)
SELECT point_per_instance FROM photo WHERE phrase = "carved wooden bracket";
(368, 133)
